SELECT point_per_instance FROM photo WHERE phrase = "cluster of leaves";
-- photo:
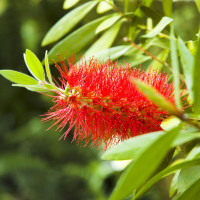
(154, 155)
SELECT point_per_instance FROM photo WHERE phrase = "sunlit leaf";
(34, 88)
(160, 42)
(137, 172)
(105, 41)
(162, 56)
(112, 53)
(108, 23)
(130, 148)
(170, 169)
(47, 67)
(159, 27)
(65, 24)
(135, 59)
(18, 77)
(175, 68)
(187, 61)
(69, 3)
(76, 41)
(34, 65)
(104, 6)
(156, 97)
(190, 190)
(173, 186)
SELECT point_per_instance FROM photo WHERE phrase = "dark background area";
(34, 165)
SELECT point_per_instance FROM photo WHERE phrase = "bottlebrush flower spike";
(103, 105)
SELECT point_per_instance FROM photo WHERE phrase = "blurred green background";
(34, 165)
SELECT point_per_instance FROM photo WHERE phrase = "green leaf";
(175, 68)
(193, 180)
(18, 77)
(105, 41)
(112, 53)
(162, 56)
(173, 186)
(33, 88)
(160, 42)
(138, 172)
(47, 67)
(45, 87)
(34, 65)
(130, 148)
(167, 171)
(159, 27)
(198, 4)
(156, 97)
(196, 79)
(69, 3)
(187, 61)
(108, 23)
(103, 6)
(66, 23)
(167, 7)
(75, 41)
(135, 59)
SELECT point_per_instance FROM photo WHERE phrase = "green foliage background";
(33, 163)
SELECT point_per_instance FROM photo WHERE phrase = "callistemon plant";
(98, 99)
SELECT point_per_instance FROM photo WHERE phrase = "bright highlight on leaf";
(18, 77)
(34, 65)
(69, 3)
(107, 23)
(159, 27)
(104, 6)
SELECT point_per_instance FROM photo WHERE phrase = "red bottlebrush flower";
(102, 103)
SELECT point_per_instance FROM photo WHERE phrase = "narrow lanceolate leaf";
(187, 62)
(159, 27)
(173, 186)
(175, 68)
(130, 148)
(104, 6)
(105, 41)
(34, 65)
(162, 56)
(76, 41)
(193, 192)
(33, 88)
(65, 24)
(112, 53)
(108, 23)
(47, 67)
(167, 171)
(196, 79)
(69, 3)
(135, 60)
(137, 172)
(18, 77)
(167, 7)
(157, 98)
